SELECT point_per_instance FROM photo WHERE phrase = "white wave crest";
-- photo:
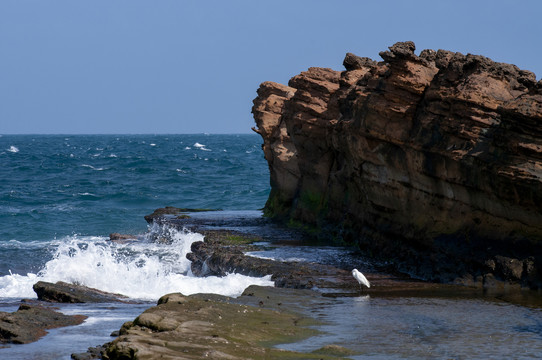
(13, 149)
(201, 147)
(92, 167)
(144, 269)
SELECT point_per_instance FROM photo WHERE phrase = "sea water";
(60, 197)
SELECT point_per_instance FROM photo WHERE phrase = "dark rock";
(117, 236)
(354, 62)
(170, 210)
(29, 323)
(69, 293)
(508, 267)
(98, 352)
(214, 258)
(399, 51)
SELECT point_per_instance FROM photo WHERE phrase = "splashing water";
(141, 269)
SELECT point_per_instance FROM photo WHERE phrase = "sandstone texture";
(431, 161)
(211, 326)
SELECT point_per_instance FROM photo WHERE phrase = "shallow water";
(401, 319)
(426, 328)
(60, 343)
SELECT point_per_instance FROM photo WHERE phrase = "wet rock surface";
(200, 326)
(117, 236)
(213, 258)
(31, 322)
(229, 236)
(62, 292)
(171, 211)
(431, 161)
(98, 352)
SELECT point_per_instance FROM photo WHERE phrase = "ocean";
(62, 195)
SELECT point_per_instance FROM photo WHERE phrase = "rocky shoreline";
(206, 325)
(432, 162)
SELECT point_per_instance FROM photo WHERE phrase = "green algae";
(214, 326)
(238, 240)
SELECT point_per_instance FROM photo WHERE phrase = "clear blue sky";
(172, 66)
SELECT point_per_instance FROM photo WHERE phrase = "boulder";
(29, 323)
(117, 236)
(62, 292)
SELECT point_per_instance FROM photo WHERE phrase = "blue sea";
(62, 195)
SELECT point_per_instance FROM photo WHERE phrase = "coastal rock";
(170, 211)
(213, 257)
(433, 162)
(208, 326)
(62, 292)
(29, 323)
(117, 236)
(95, 352)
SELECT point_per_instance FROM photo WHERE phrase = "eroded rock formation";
(211, 326)
(432, 161)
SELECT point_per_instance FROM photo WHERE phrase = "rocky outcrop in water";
(170, 212)
(62, 292)
(432, 161)
(214, 258)
(31, 322)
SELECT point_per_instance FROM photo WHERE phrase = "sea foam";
(92, 167)
(201, 147)
(140, 269)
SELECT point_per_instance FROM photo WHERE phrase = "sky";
(179, 67)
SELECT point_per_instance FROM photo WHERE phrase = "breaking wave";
(144, 268)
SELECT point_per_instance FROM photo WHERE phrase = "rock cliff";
(431, 161)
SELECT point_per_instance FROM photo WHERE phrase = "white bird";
(362, 280)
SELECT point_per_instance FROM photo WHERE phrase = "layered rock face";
(432, 161)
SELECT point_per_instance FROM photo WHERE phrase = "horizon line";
(76, 134)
